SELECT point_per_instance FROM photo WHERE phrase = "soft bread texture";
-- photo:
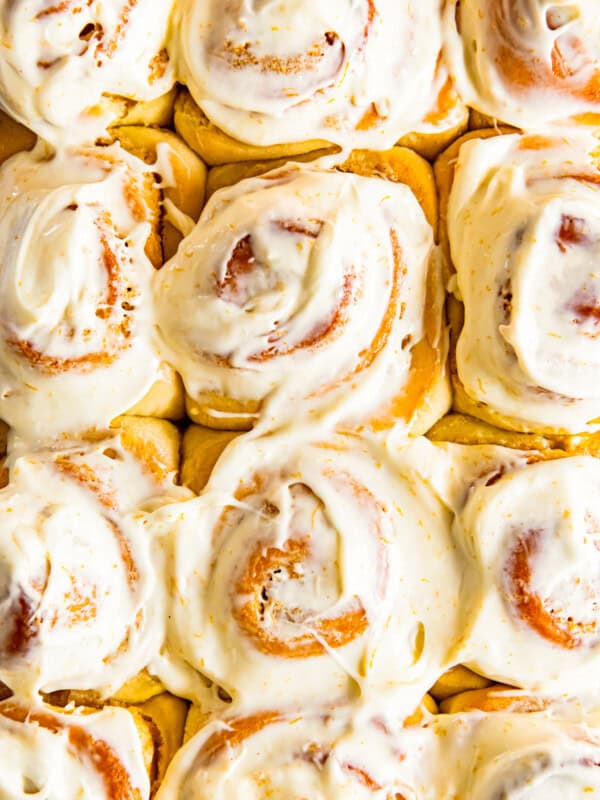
(84, 602)
(14, 138)
(214, 146)
(534, 64)
(261, 492)
(426, 395)
(183, 176)
(357, 74)
(516, 390)
(457, 680)
(69, 71)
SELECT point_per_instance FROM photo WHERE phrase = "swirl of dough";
(76, 318)
(273, 754)
(80, 604)
(356, 73)
(315, 289)
(311, 562)
(525, 235)
(535, 61)
(522, 756)
(84, 756)
(60, 58)
(513, 756)
(533, 533)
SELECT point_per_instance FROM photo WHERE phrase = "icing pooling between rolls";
(305, 286)
(314, 562)
(525, 240)
(75, 304)
(535, 61)
(80, 604)
(356, 73)
(58, 60)
(71, 756)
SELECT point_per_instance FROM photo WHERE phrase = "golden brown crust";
(237, 415)
(216, 147)
(399, 165)
(165, 398)
(185, 187)
(201, 450)
(444, 169)
(457, 680)
(14, 138)
(428, 390)
(151, 113)
(154, 442)
(196, 719)
(464, 429)
(495, 698)
(228, 174)
(165, 716)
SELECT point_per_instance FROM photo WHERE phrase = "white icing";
(468, 756)
(336, 273)
(533, 535)
(61, 220)
(329, 755)
(525, 237)
(526, 62)
(41, 758)
(58, 60)
(376, 555)
(81, 606)
(280, 72)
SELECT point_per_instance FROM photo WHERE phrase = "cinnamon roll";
(313, 562)
(525, 62)
(79, 238)
(356, 74)
(81, 606)
(277, 754)
(311, 293)
(67, 69)
(103, 755)
(529, 527)
(478, 756)
(523, 235)
(445, 120)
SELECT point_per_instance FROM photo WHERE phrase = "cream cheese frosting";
(526, 62)
(335, 755)
(78, 756)
(305, 286)
(308, 572)
(76, 318)
(532, 531)
(293, 756)
(357, 73)
(81, 605)
(524, 236)
(60, 60)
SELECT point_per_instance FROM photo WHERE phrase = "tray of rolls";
(299, 399)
